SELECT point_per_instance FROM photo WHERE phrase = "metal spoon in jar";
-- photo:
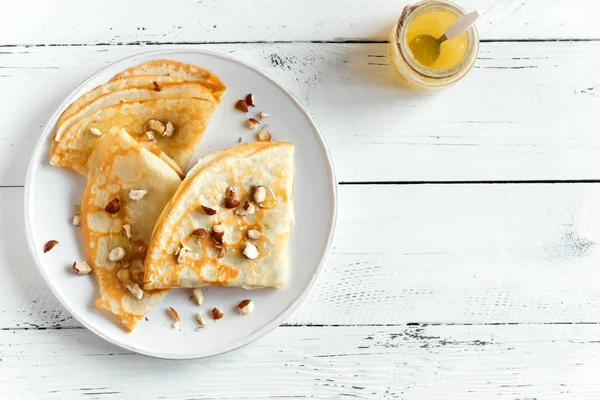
(426, 48)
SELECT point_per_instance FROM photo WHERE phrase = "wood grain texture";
(431, 362)
(408, 253)
(114, 22)
(536, 121)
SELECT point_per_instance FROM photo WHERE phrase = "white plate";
(51, 194)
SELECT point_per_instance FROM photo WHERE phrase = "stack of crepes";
(144, 229)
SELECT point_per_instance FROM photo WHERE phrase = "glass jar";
(432, 17)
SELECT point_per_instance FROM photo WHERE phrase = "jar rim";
(408, 15)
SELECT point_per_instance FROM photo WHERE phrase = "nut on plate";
(263, 115)
(81, 267)
(251, 123)
(216, 314)
(50, 245)
(201, 320)
(175, 317)
(245, 307)
(76, 221)
(250, 99)
(242, 106)
(198, 296)
(263, 135)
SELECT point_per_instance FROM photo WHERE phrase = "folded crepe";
(118, 166)
(187, 249)
(188, 72)
(188, 116)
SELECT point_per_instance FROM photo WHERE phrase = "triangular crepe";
(179, 69)
(119, 165)
(189, 117)
(207, 262)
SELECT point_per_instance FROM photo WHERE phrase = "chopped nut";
(76, 220)
(150, 136)
(155, 125)
(245, 307)
(77, 209)
(230, 201)
(127, 229)
(209, 210)
(113, 206)
(175, 317)
(248, 209)
(135, 290)
(200, 232)
(50, 245)
(250, 251)
(251, 123)
(216, 314)
(222, 252)
(250, 100)
(137, 195)
(116, 254)
(81, 267)
(242, 106)
(181, 256)
(263, 135)
(201, 320)
(254, 234)
(218, 233)
(169, 129)
(95, 131)
(240, 139)
(260, 194)
(156, 86)
(218, 228)
(198, 296)
(263, 115)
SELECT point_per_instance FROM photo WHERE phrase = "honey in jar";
(413, 58)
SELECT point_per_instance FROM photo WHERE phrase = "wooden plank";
(528, 110)
(404, 253)
(432, 362)
(113, 21)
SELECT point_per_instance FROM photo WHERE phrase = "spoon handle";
(461, 25)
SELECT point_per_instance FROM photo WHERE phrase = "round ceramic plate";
(52, 193)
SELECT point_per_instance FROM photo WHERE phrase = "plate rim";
(275, 321)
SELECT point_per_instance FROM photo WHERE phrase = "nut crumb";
(222, 252)
(116, 254)
(137, 195)
(254, 234)
(250, 251)
(175, 317)
(146, 318)
(156, 86)
(240, 139)
(50, 245)
(248, 209)
(127, 229)
(198, 296)
(245, 307)
(201, 321)
(81, 267)
(263, 115)
(113, 206)
(230, 201)
(216, 314)
(135, 290)
(95, 131)
(250, 99)
(242, 106)
(181, 256)
(169, 129)
(76, 221)
(154, 125)
(209, 210)
(200, 232)
(260, 194)
(251, 123)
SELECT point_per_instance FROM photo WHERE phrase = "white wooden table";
(466, 262)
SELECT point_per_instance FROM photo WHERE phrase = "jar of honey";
(410, 56)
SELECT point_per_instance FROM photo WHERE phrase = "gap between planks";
(194, 43)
